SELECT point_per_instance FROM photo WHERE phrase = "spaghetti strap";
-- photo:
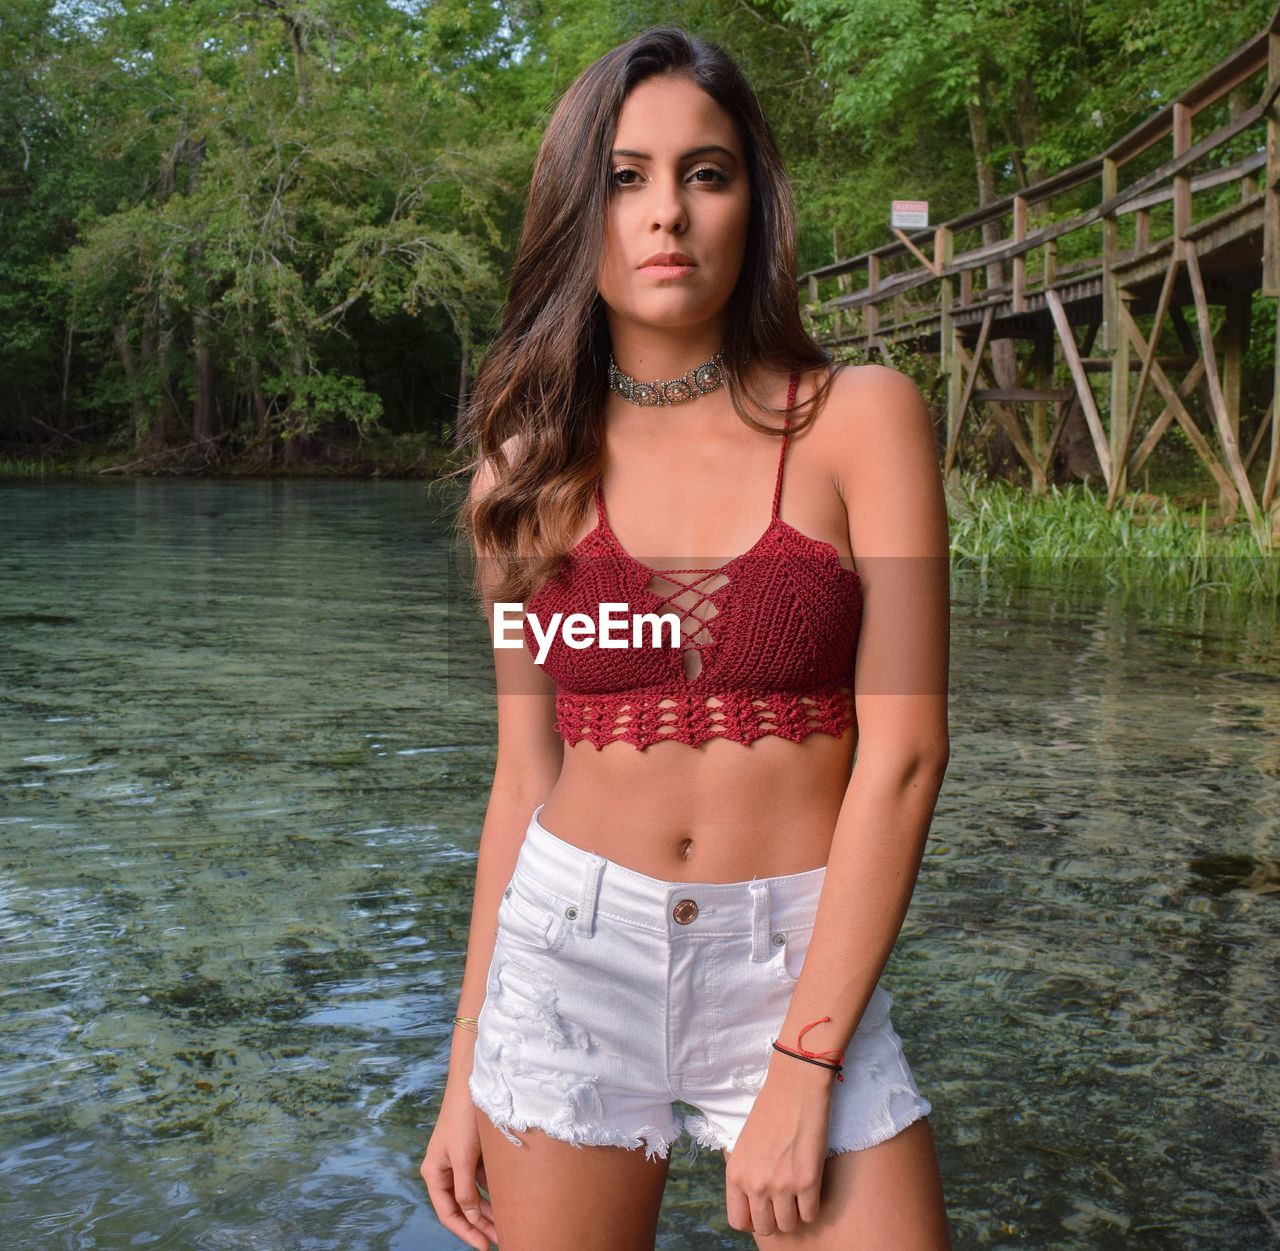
(782, 455)
(600, 519)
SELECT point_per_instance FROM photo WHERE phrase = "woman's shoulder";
(853, 385)
(862, 400)
(872, 422)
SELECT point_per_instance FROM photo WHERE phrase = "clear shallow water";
(246, 739)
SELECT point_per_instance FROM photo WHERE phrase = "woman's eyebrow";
(684, 156)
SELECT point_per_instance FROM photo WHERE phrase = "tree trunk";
(1026, 133)
(148, 349)
(64, 416)
(168, 422)
(1076, 455)
(297, 448)
(137, 404)
(296, 34)
(204, 421)
(463, 380)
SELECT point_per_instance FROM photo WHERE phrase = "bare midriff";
(721, 812)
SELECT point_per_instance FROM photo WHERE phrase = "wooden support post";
(1226, 435)
(1081, 379)
(842, 318)
(1235, 342)
(1115, 342)
(1181, 182)
(943, 252)
(872, 316)
(1271, 484)
(953, 425)
(1042, 375)
(1270, 195)
(1019, 261)
(949, 360)
(1120, 425)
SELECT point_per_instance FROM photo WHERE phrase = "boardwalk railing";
(1115, 249)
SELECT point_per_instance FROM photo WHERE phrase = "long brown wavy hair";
(544, 379)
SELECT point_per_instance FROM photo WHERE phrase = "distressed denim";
(612, 994)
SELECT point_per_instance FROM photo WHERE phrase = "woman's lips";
(667, 271)
(664, 265)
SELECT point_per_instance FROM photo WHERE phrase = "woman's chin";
(674, 314)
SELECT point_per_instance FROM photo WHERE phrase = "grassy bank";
(1157, 542)
(381, 455)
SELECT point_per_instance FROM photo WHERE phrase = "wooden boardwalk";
(1149, 283)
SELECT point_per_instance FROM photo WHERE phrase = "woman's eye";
(717, 176)
(617, 177)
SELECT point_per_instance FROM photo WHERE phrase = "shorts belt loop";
(585, 922)
(760, 921)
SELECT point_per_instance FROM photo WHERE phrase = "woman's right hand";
(454, 1170)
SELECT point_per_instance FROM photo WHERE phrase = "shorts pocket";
(789, 960)
(530, 916)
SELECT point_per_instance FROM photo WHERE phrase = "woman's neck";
(648, 353)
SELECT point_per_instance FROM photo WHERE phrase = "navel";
(686, 849)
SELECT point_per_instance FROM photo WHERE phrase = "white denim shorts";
(612, 994)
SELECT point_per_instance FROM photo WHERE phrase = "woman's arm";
(529, 758)
(886, 459)
(528, 764)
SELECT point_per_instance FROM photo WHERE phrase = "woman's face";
(678, 184)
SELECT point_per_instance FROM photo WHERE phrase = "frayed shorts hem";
(657, 1143)
(704, 1135)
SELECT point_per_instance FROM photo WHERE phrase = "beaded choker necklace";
(700, 381)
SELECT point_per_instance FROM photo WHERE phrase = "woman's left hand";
(773, 1177)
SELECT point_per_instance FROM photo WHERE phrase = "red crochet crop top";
(773, 631)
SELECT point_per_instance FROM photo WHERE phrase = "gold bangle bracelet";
(468, 1022)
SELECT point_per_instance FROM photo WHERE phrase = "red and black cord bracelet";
(814, 1057)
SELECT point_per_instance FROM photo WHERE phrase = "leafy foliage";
(257, 220)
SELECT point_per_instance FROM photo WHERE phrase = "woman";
(703, 920)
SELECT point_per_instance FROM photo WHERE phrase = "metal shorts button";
(685, 911)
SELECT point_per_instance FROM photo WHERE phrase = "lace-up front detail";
(767, 640)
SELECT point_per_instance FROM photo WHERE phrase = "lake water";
(246, 737)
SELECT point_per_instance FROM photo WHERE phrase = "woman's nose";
(668, 211)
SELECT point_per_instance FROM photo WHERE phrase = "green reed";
(1145, 541)
(38, 467)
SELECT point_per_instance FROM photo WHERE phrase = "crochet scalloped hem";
(643, 718)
